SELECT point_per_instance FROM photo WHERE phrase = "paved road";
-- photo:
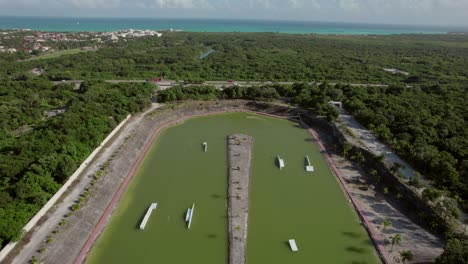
(169, 83)
(371, 142)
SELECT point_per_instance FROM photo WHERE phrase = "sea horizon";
(106, 24)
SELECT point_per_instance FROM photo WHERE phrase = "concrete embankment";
(93, 215)
(239, 157)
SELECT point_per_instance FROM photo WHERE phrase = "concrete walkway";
(239, 157)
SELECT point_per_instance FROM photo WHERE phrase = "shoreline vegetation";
(420, 115)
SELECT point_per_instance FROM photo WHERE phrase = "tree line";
(265, 56)
(313, 97)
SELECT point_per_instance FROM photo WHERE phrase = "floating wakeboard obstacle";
(280, 163)
(205, 146)
(292, 244)
(189, 215)
(147, 215)
(309, 167)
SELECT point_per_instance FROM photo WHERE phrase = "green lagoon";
(292, 203)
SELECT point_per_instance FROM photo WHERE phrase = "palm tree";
(396, 239)
(406, 255)
(386, 223)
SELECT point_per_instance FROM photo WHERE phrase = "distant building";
(396, 71)
(113, 38)
(29, 38)
(337, 104)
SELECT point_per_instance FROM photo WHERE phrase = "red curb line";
(97, 230)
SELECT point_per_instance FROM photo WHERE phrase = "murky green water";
(291, 203)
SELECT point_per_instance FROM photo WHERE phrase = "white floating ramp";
(205, 146)
(292, 244)
(309, 167)
(280, 163)
(147, 215)
(189, 215)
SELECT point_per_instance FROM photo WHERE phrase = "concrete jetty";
(239, 157)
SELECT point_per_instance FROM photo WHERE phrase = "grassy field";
(56, 54)
(309, 207)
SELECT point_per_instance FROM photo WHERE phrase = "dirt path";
(377, 206)
(239, 157)
(370, 142)
(40, 232)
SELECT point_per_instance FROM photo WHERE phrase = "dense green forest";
(427, 125)
(38, 153)
(421, 115)
(267, 56)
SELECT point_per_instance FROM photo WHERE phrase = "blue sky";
(430, 12)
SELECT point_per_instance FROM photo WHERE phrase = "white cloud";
(175, 3)
(379, 11)
(94, 3)
(294, 3)
(350, 5)
(265, 3)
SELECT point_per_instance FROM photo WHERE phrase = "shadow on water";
(276, 162)
(223, 216)
(310, 140)
(137, 225)
(212, 236)
(216, 196)
(351, 234)
(286, 243)
(202, 147)
(356, 249)
(358, 262)
(368, 242)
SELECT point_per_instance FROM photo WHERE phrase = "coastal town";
(38, 42)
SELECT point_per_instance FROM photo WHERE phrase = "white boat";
(205, 146)
(280, 163)
(309, 167)
(147, 215)
(292, 244)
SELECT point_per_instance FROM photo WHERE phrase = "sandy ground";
(377, 207)
(39, 234)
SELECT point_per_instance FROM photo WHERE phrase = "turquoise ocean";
(214, 25)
